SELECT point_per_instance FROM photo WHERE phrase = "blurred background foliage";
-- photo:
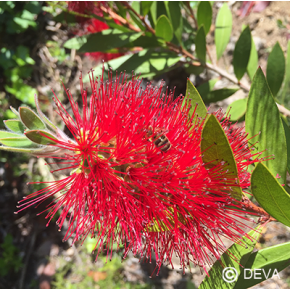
(217, 45)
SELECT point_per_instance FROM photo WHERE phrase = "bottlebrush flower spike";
(138, 178)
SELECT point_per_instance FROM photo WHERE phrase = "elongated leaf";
(145, 7)
(6, 134)
(153, 14)
(204, 15)
(237, 109)
(15, 125)
(285, 94)
(41, 137)
(269, 262)
(206, 87)
(275, 68)
(30, 119)
(215, 148)
(146, 63)
(270, 194)
(23, 150)
(17, 142)
(287, 135)
(102, 41)
(263, 116)
(223, 29)
(253, 60)
(200, 44)
(164, 28)
(174, 14)
(218, 95)
(242, 53)
(219, 276)
(193, 96)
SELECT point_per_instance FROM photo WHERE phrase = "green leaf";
(287, 135)
(285, 94)
(263, 116)
(176, 19)
(146, 63)
(200, 44)
(270, 194)
(223, 29)
(41, 137)
(30, 119)
(194, 98)
(218, 95)
(145, 7)
(17, 142)
(253, 60)
(102, 41)
(6, 134)
(23, 150)
(215, 148)
(275, 69)
(242, 53)
(153, 14)
(15, 126)
(270, 260)
(238, 253)
(237, 109)
(204, 15)
(164, 28)
(206, 87)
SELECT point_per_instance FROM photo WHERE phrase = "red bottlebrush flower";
(92, 25)
(138, 177)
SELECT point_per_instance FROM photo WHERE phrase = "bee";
(160, 140)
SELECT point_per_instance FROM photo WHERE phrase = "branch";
(180, 50)
(264, 216)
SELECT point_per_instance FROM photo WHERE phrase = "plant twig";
(264, 216)
(196, 62)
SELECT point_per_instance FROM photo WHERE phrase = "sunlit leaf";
(287, 135)
(223, 29)
(275, 69)
(17, 142)
(193, 96)
(102, 41)
(30, 119)
(242, 53)
(164, 28)
(200, 44)
(41, 137)
(237, 109)
(235, 258)
(270, 194)
(173, 10)
(204, 15)
(285, 94)
(216, 148)
(263, 116)
(269, 262)
(253, 60)
(15, 126)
